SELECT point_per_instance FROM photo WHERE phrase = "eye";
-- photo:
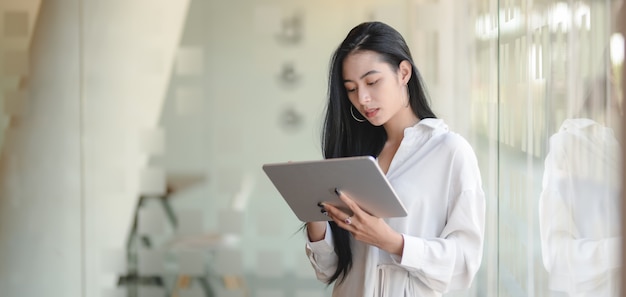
(350, 87)
(373, 82)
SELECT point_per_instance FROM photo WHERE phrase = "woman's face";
(374, 88)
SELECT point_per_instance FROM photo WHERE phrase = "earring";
(408, 97)
(354, 117)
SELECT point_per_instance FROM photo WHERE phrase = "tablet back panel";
(304, 184)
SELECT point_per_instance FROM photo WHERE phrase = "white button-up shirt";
(436, 175)
(579, 210)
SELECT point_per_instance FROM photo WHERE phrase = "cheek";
(353, 99)
(396, 94)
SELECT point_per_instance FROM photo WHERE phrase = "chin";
(376, 123)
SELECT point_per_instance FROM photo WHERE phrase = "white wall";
(40, 177)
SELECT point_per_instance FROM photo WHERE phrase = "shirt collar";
(577, 124)
(431, 126)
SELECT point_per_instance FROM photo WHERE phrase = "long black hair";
(345, 137)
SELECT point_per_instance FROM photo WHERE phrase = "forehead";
(358, 63)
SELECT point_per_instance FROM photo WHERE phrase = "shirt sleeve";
(322, 255)
(450, 261)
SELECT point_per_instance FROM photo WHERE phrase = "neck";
(395, 127)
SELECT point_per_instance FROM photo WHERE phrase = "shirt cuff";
(324, 246)
(412, 252)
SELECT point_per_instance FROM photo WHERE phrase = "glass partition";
(560, 115)
(132, 135)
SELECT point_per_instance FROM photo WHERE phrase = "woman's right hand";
(316, 230)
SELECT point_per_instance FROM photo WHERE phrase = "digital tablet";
(304, 184)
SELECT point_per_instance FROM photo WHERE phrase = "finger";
(336, 214)
(333, 211)
(355, 208)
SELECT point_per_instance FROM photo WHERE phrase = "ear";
(405, 71)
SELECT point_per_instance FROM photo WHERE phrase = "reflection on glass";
(579, 205)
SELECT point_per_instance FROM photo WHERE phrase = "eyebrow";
(362, 76)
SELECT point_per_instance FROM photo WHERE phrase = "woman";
(378, 106)
(579, 205)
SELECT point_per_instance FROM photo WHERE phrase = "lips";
(371, 112)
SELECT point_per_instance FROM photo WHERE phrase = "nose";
(364, 96)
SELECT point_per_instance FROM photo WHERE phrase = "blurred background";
(132, 135)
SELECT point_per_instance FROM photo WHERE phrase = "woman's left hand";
(365, 227)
